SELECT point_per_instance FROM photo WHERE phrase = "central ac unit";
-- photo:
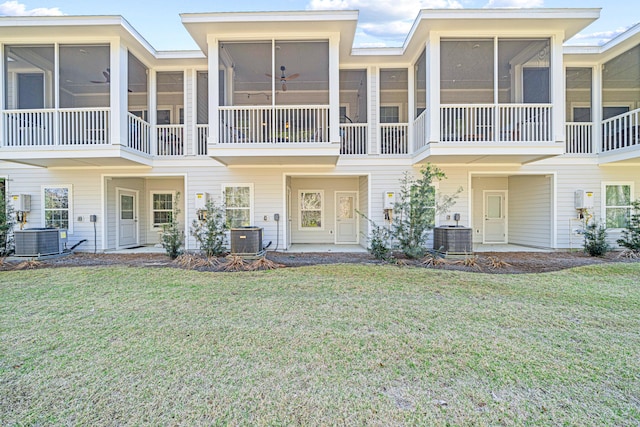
(246, 240)
(40, 241)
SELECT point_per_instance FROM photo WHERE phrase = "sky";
(381, 22)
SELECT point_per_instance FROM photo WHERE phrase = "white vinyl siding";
(530, 210)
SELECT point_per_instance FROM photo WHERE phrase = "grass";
(322, 345)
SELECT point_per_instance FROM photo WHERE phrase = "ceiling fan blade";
(292, 76)
(268, 75)
(96, 82)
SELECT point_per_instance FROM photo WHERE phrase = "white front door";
(346, 218)
(495, 217)
(127, 218)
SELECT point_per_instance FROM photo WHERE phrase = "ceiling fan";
(284, 78)
(107, 79)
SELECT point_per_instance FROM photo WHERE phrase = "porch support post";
(411, 114)
(56, 95)
(3, 105)
(433, 87)
(373, 109)
(118, 92)
(214, 121)
(153, 111)
(558, 91)
(190, 136)
(596, 108)
(334, 89)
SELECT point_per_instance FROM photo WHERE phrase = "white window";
(389, 114)
(57, 207)
(161, 208)
(238, 201)
(617, 204)
(311, 212)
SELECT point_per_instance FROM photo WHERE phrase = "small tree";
(631, 235)
(7, 222)
(416, 208)
(595, 239)
(210, 231)
(172, 234)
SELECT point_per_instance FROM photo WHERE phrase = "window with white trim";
(238, 201)
(161, 208)
(57, 207)
(311, 212)
(389, 114)
(617, 204)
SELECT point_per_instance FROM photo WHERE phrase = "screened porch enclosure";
(495, 90)
(73, 110)
(274, 91)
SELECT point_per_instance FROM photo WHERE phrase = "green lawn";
(322, 345)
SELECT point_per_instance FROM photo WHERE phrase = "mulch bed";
(509, 262)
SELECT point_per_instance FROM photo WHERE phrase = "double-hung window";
(57, 206)
(617, 204)
(311, 213)
(162, 208)
(238, 200)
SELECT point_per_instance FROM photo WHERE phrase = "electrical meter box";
(583, 199)
(201, 201)
(389, 199)
(21, 202)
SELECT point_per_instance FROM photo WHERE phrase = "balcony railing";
(139, 134)
(49, 127)
(353, 138)
(621, 131)
(420, 131)
(170, 140)
(274, 124)
(202, 135)
(579, 138)
(394, 138)
(496, 123)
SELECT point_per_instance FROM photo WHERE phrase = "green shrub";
(631, 235)
(209, 232)
(416, 208)
(7, 222)
(172, 237)
(595, 239)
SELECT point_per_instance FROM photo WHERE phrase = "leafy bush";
(631, 235)
(416, 208)
(595, 239)
(172, 234)
(210, 231)
(7, 222)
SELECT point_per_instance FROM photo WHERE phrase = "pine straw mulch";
(487, 262)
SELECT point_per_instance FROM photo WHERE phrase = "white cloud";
(14, 8)
(596, 39)
(386, 20)
(515, 3)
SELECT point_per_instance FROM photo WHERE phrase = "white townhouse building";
(280, 117)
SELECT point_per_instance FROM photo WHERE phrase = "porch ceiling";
(485, 154)
(268, 155)
(74, 158)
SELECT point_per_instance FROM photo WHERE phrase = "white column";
(558, 101)
(190, 133)
(334, 89)
(433, 87)
(214, 121)
(411, 114)
(3, 90)
(596, 108)
(118, 92)
(373, 109)
(153, 111)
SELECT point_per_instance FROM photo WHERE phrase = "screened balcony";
(273, 104)
(495, 103)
